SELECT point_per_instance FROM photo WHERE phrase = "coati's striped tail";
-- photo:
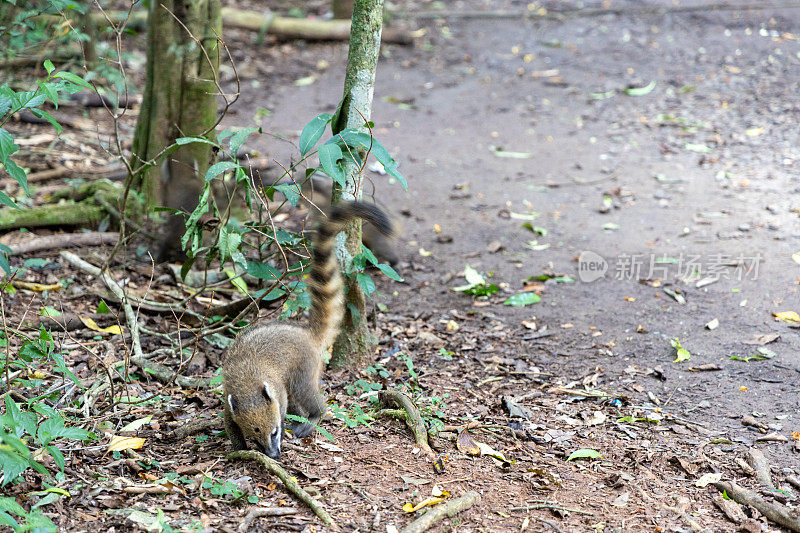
(325, 281)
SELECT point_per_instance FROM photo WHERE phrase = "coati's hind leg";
(234, 432)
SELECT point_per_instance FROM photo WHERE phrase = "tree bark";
(355, 340)
(179, 100)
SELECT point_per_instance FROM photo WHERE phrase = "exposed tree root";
(413, 420)
(773, 511)
(759, 463)
(276, 469)
(446, 509)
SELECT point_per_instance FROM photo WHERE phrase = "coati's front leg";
(234, 432)
(309, 405)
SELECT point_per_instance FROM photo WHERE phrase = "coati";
(275, 368)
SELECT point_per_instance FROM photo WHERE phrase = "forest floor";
(662, 148)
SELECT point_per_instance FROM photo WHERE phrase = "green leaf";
(189, 140)
(45, 115)
(5, 200)
(329, 156)
(58, 458)
(585, 453)
(291, 192)
(238, 139)
(640, 91)
(389, 272)
(10, 505)
(261, 270)
(229, 242)
(7, 145)
(312, 132)
(366, 283)
(77, 80)
(49, 311)
(102, 308)
(48, 66)
(218, 168)
(51, 92)
(522, 299)
(682, 354)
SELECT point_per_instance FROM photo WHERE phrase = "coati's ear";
(234, 405)
(268, 393)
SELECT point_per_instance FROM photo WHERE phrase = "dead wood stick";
(759, 463)
(258, 512)
(68, 321)
(300, 28)
(44, 175)
(553, 506)
(412, 418)
(195, 426)
(276, 469)
(445, 509)
(591, 12)
(65, 240)
(147, 489)
(776, 512)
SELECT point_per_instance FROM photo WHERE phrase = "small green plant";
(351, 416)
(33, 520)
(476, 284)
(304, 420)
(226, 489)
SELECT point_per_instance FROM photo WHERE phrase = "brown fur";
(275, 368)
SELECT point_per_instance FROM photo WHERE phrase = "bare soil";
(689, 192)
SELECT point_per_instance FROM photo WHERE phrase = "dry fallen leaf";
(466, 445)
(788, 316)
(119, 443)
(91, 324)
(707, 479)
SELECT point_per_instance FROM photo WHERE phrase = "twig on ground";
(759, 463)
(65, 240)
(445, 509)
(275, 468)
(195, 426)
(680, 512)
(159, 371)
(553, 506)
(776, 512)
(259, 512)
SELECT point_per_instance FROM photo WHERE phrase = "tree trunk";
(179, 100)
(355, 339)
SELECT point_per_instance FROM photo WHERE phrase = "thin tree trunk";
(355, 339)
(180, 100)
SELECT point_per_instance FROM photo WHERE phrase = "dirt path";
(700, 182)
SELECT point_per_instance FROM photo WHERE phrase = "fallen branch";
(299, 28)
(446, 509)
(51, 215)
(551, 506)
(195, 426)
(68, 321)
(776, 512)
(413, 420)
(65, 240)
(259, 512)
(291, 485)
